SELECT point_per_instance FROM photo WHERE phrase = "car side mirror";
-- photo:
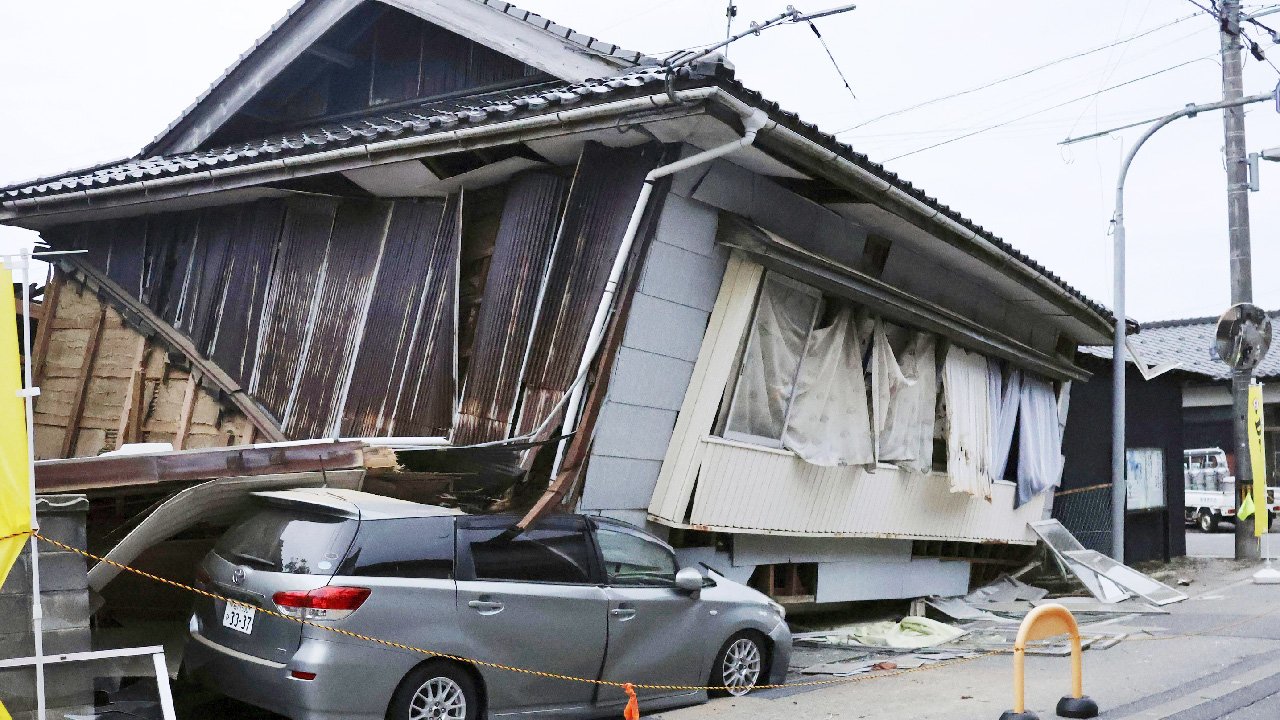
(689, 580)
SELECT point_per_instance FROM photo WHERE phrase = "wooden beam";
(95, 280)
(40, 351)
(82, 383)
(184, 415)
(333, 55)
(131, 413)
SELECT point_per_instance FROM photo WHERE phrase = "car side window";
(404, 547)
(537, 555)
(635, 561)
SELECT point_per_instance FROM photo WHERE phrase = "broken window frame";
(752, 338)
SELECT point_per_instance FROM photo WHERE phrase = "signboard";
(1144, 478)
(1257, 457)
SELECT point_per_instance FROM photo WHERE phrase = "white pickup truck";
(1211, 492)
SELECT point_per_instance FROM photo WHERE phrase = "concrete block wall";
(64, 595)
(668, 319)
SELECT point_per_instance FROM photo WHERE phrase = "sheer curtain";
(904, 395)
(1039, 438)
(965, 386)
(1005, 396)
(829, 423)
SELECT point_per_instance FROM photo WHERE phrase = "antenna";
(790, 15)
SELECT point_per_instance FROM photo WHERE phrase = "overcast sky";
(87, 81)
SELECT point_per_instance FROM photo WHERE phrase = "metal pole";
(1118, 348)
(29, 393)
(1247, 546)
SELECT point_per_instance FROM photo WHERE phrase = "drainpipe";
(753, 122)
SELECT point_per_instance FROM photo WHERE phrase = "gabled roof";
(557, 50)
(1189, 343)
(639, 76)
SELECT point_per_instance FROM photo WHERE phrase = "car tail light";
(326, 603)
(302, 675)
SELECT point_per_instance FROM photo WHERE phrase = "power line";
(1045, 110)
(1016, 76)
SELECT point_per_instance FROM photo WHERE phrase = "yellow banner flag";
(15, 483)
(1257, 458)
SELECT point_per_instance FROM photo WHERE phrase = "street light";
(1255, 177)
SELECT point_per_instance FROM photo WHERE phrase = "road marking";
(1207, 694)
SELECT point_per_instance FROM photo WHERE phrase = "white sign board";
(1144, 478)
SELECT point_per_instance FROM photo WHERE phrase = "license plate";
(239, 617)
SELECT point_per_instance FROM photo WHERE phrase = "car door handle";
(486, 607)
(623, 614)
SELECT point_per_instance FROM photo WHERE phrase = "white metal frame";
(22, 262)
(155, 651)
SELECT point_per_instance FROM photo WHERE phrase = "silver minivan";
(579, 596)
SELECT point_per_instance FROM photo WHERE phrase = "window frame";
(748, 338)
(597, 526)
(464, 561)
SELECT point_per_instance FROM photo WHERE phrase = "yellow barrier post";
(1044, 622)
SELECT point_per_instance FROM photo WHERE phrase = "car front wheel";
(740, 665)
(436, 691)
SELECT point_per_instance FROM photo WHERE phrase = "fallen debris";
(909, 633)
(1106, 579)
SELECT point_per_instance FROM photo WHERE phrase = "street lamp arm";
(1118, 351)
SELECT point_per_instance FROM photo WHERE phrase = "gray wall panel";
(631, 431)
(614, 482)
(682, 276)
(665, 328)
(643, 378)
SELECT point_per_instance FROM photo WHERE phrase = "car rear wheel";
(436, 691)
(740, 665)
(1207, 522)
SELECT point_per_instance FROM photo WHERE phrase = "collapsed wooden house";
(398, 222)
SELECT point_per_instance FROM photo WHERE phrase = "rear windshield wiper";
(262, 563)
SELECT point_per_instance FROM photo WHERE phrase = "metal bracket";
(28, 392)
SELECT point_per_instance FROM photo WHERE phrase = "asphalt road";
(1222, 544)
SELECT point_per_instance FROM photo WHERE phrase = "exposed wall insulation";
(104, 384)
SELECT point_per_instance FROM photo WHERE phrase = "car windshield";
(288, 541)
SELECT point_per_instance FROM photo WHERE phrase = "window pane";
(288, 541)
(784, 316)
(559, 556)
(633, 560)
(407, 548)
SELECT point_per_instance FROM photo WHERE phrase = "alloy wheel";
(439, 698)
(741, 668)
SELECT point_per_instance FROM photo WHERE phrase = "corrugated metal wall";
(295, 298)
(526, 235)
(604, 191)
(344, 312)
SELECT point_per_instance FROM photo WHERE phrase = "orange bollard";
(632, 712)
(1044, 622)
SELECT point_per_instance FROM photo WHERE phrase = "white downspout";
(752, 122)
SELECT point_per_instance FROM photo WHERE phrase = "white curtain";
(965, 386)
(829, 423)
(1005, 396)
(1039, 439)
(784, 315)
(904, 395)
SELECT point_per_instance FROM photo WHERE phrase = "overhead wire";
(1018, 75)
(1110, 73)
(1047, 109)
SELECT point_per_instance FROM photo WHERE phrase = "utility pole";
(1247, 546)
